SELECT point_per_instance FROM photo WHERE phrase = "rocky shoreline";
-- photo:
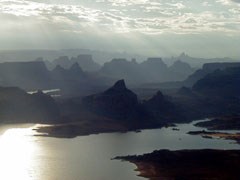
(215, 134)
(188, 164)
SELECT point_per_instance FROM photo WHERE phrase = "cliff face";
(18, 106)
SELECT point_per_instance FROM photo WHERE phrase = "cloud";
(228, 2)
(237, 1)
(121, 20)
(122, 16)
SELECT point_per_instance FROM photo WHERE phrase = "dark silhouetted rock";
(18, 106)
(117, 102)
(188, 164)
(162, 109)
(45, 107)
(206, 69)
(224, 83)
(185, 91)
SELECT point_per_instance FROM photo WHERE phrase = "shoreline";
(218, 135)
(72, 130)
(187, 164)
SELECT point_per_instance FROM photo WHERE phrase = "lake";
(28, 157)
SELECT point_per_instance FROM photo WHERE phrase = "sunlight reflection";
(17, 149)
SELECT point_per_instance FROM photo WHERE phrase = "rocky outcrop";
(120, 103)
(162, 109)
(117, 102)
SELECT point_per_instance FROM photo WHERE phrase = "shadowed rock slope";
(18, 106)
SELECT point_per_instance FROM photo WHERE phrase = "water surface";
(24, 156)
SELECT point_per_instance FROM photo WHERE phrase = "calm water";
(24, 156)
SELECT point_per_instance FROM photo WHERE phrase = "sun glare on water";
(17, 149)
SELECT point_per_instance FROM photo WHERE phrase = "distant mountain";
(18, 106)
(84, 60)
(120, 103)
(155, 70)
(192, 78)
(75, 72)
(225, 83)
(215, 94)
(62, 61)
(99, 57)
(197, 62)
(123, 69)
(75, 82)
(206, 69)
(181, 69)
(34, 75)
(149, 71)
(25, 75)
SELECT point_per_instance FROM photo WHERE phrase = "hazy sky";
(199, 27)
